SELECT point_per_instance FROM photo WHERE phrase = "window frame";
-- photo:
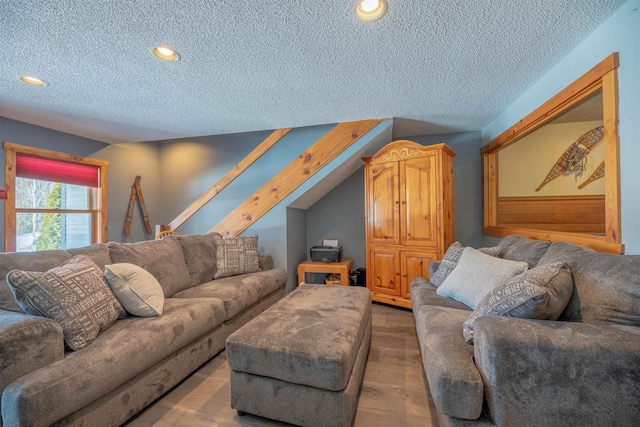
(98, 206)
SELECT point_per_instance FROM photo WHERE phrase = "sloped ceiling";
(434, 65)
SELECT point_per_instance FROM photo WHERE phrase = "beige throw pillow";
(451, 259)
(476, 275)
(136, 289)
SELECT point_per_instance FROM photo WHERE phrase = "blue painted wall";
(620, 33)
(125, 162)
(340, 216)
(191, 166)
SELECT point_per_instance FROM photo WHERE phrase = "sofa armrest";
(433, 266)
(265, 261)
(538, 372)
(27, 343)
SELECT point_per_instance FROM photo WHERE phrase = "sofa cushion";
(606, 286)
(424, 293)
(130, 347)
(162, 258)
(29, 261)
(200, 256)
(136, 289)
(518, 248)
(27, 343)
(238, 292)
(76, 295)
(451, 259)
(454, 380)
(98, 252)
(476, 275)
(236, 255)
(540, 293)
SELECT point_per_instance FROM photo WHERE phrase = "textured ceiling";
(435, 65)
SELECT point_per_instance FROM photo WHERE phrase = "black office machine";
(326, 253)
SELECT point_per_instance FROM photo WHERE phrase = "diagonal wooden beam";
(293, 175)
(228, 178)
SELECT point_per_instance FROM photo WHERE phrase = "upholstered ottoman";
(302, 361)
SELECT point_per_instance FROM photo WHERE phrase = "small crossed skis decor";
(136, 192)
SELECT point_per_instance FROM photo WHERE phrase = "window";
(54, 200)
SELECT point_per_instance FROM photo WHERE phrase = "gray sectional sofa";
(580, 370)
(137, 359)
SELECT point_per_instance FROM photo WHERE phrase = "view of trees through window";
(38, 228)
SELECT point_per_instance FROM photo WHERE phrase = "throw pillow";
(236, 255)
(200, 256)
(476, 275)
(606, 286)
(518, 248)
(162, 258)
(137, 290)
(76, 295)
(451, 258)
(540, 293)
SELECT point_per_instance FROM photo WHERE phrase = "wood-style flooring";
(394, 392)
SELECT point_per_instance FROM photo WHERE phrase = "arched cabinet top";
(405, 149)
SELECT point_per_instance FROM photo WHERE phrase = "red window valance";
(57, 171)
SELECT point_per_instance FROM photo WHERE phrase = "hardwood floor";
(394, 391)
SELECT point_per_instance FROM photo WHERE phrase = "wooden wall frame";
(602, 76)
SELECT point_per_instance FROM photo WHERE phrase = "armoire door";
(386, 271)
(413, 264)
(384, 204)
(418, 200)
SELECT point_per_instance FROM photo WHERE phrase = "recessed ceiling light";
(166, 53)
(34, 81)
(371, 10)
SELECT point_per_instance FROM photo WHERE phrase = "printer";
(329, 251)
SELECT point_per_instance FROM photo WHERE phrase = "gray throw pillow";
(451, 258)
(476, 275)
(76, 295)
(162, 258)
(607, 286)
(518, 248)
(236, 255)
(200, 256)
(540, 293)
(136, 289)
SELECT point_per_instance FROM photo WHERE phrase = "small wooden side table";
(342, 267)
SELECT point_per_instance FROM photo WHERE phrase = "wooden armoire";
(409, 215)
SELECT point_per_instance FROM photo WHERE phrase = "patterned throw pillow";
(236, 255)
(451, 259)
(76, 295)
(540, 293)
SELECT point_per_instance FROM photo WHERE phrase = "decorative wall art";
(597, 174)
(574, 159)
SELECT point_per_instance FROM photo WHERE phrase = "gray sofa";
(137, 359)
(581, 370)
